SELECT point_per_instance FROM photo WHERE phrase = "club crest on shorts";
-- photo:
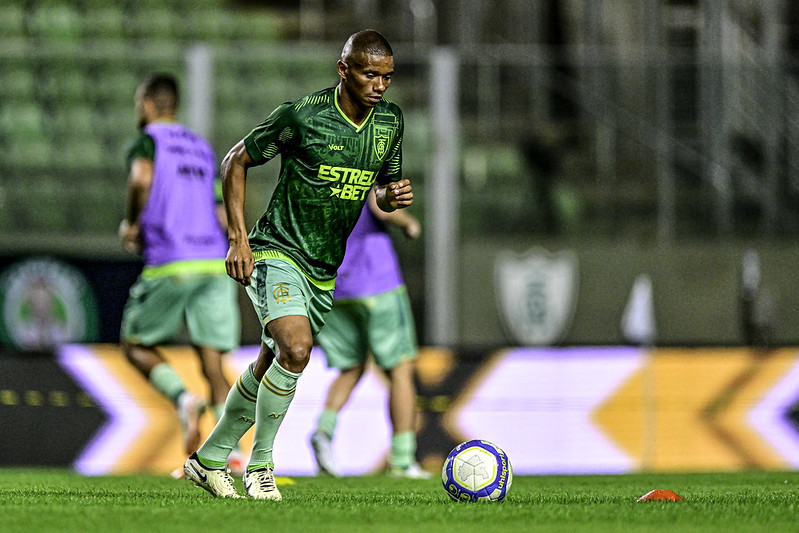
(536, 294)
(280, 291)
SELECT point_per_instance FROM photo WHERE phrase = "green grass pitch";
(38, 501)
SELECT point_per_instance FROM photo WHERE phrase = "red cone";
(659, 495)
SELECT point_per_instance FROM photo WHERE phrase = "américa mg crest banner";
(536, 293)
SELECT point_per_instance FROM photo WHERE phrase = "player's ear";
(342, 69)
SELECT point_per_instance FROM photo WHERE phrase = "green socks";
(403, 449)
(274, 397)
(237, 417)
(166, 381)
(271, 398)
(327, 422)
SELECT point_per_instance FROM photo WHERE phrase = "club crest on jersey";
(536, 294)
(382, 141)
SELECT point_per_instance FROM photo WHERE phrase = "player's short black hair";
(163, 90)
(367, 42)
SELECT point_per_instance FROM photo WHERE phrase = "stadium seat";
(68, 81)
(55, 21)
(155, 23)
(109, 197)
(74, 120)
(104, 22)
(201, 24)
(23, 119)
(17, 82)
(84, 151)
(12, 20)
(50, 207)
(30, 153)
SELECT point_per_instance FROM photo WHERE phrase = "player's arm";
(239, 261)
(255, 149)
(392, 192)
(401, 218)
(140, 180)
(221, 216)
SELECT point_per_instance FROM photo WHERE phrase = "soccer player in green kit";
(335, 145)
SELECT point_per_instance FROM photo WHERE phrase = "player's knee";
(295, 355)
(404, 369)
(134, 353)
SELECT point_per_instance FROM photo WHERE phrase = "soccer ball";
(477, 470)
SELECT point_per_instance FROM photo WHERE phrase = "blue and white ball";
(477, 470)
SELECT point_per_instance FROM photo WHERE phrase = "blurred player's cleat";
(216, 481)
(323, 451)
(190, 408)
(414, 471)
(236, 463)
(260, 484)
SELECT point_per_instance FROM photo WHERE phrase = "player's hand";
(239, 262)
(399, 194)
(412, 229)
(130, 235)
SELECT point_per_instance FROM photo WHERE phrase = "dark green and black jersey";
(328, 165)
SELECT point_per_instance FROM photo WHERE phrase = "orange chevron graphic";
(727, 413)
(158, 447)
(433, 365)
(686, 409)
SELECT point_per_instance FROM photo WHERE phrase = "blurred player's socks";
(327, 422)
(403, 449)
(237, 417)
(274, 397)
(166, 381)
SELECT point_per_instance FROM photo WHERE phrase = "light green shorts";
(278, 289)
(380, 324)
(158, 306)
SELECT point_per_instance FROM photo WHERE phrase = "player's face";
(366, 77)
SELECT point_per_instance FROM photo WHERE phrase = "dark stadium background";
(651, 140)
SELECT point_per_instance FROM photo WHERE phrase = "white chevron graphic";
(125, 420)
(536, 404)
(769, 417)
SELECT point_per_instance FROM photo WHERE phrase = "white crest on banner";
(536, 294)
(45, 302)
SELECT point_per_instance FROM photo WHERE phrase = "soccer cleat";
(216, 481)
(323, 452)
(260, 484)
(413, 471)
(190, 408)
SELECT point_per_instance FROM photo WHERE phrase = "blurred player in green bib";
(336, 145)
(372, 314)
